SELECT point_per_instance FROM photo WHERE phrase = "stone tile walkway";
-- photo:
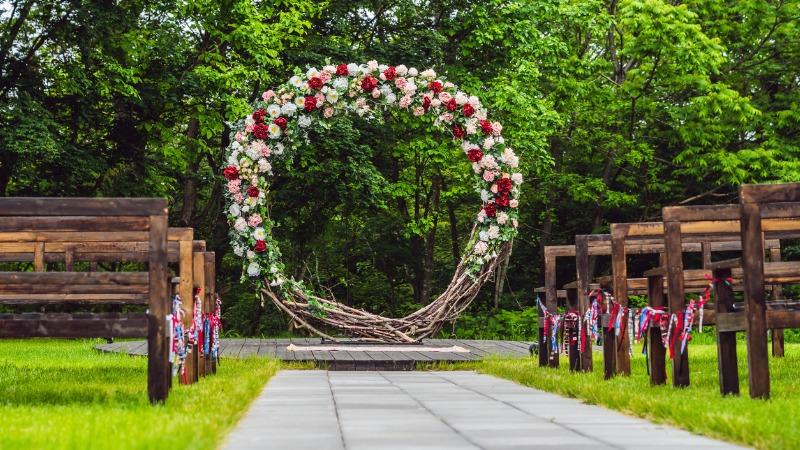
(321, 410)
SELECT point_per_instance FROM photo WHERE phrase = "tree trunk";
(6, 169)
(499, 280)
(190, 177)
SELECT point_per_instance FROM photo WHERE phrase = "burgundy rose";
(502, 199)
(252, 191)
(490, 210)
(231, 173)
(369, 83)
(486, 126)
(260, 131)
(390, 73)
(310, 103)
(504, 185)
(435, 86)
(259, 115)
(452, 105)
(281, 122)
(315, 83)
(475, 154)
(457, 131)
(260, 247)
(341, 70)
(468, 110)
(426, 102)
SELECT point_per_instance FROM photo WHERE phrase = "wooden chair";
(67, 226)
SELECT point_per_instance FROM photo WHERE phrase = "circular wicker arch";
(315, 96)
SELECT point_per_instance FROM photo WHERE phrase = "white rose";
(304, 121)
(352, 69)
(277, 149)
(259, 234)
(502, 218)
(485, 196)
(240, 224)
(238, 250)
(288, 109)
(372, 65)
(340, 83)
(483, 235)
(274, 131)
(412, 72)
(253, 269)
(264, 166)
(332, 96)
(494, 232)
(274, 110)
(461, 98)
(312, 72)
(234, 210)
(516, 178)
(296, 82)
(401, 69)
(391, 98)
(488, 143)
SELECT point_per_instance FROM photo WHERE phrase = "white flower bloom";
(372, 65)
(461, 98)
(238, 250)
(485, 196)
(412, 72)
(277, 149)
(466, 145)
(502, 218)
(483, 235)
(300, 101)
(340, 83)
(233, 160)
(264, 166)
(297, 82)
(259, 234)
(252, 152)
(329, 68)
(510, 158)
(494, 232)
(488, 143)
(274, 131)
(249, 120)
(480, 248)
(401, 69)
(274, 110)
(428, 73)
(246, 207)
(304, 121)
(481, 216)
(382, 67)
(516, 178)
(352, 69)
(391, 98)
(253, 269)
(474, 101)
(234, 210)
(288, 109)
(240, 224)
(311, 73)
(488, 162)
(332, 96)
(273, 269)
(476, 167)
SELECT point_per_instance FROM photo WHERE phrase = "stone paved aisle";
(320, 410)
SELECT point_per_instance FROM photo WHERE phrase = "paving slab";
(321, 410)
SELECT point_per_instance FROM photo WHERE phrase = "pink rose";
(494, 187)
(376, 93)
(497, 128)
(249, 128)
(405, 101)
(400, 82)
(238, 197)
(488, 176)
(240, 136)
(325, 76)
(234, 186)
(320, 97)
(328, 112)
(254, 220)
(418, 111)
(513, 203)
(445, 96)
(268, 95)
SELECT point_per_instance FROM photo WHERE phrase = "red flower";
(502, 199)
(252, 191)
(426, 102)
(451, 105)
(260, 131)
(310, 103)
(435, 86)
(490, 210)
(281, 122)
(468, 110)
(390, 73)
(231, 173)
(259, 114)
(504, 185)
(457, 131)
(486, 126)
(475, 154)
(260, 247)
(315, 83)
(341, 70)
(369, 83)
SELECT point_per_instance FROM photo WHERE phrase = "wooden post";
(656, 352)
(583, 276)
(211, 292)
(726, 340)
(186, 292)
(755, 301)
(199, 276)
(158, 370)
(705, 248)
(675, 293)
(619, 267)
(777, 293)
(551, 302)
(573, 347)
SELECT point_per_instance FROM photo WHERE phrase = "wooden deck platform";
(353, 356)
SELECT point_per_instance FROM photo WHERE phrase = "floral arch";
(283, 117)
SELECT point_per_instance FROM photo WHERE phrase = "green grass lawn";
(773, 424)
(64, 394)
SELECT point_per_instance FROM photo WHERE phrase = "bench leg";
(656, 352)
(609, 353)
(726, 341)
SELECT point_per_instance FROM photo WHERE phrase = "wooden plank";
(34, 299)
(209, 283)
(38, 257)
(65, 278)
(559, 250)
(84, 325)
(755, 301)
(74, 223)
(700, 213)
(777, 293)
(769, 193)
(619, 269)
(73, 236)
(675, 294)
(76, 206)
(158, 370)
(69, 255)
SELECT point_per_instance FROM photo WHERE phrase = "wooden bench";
(47, 225)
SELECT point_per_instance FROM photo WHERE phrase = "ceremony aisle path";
(320, 410)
